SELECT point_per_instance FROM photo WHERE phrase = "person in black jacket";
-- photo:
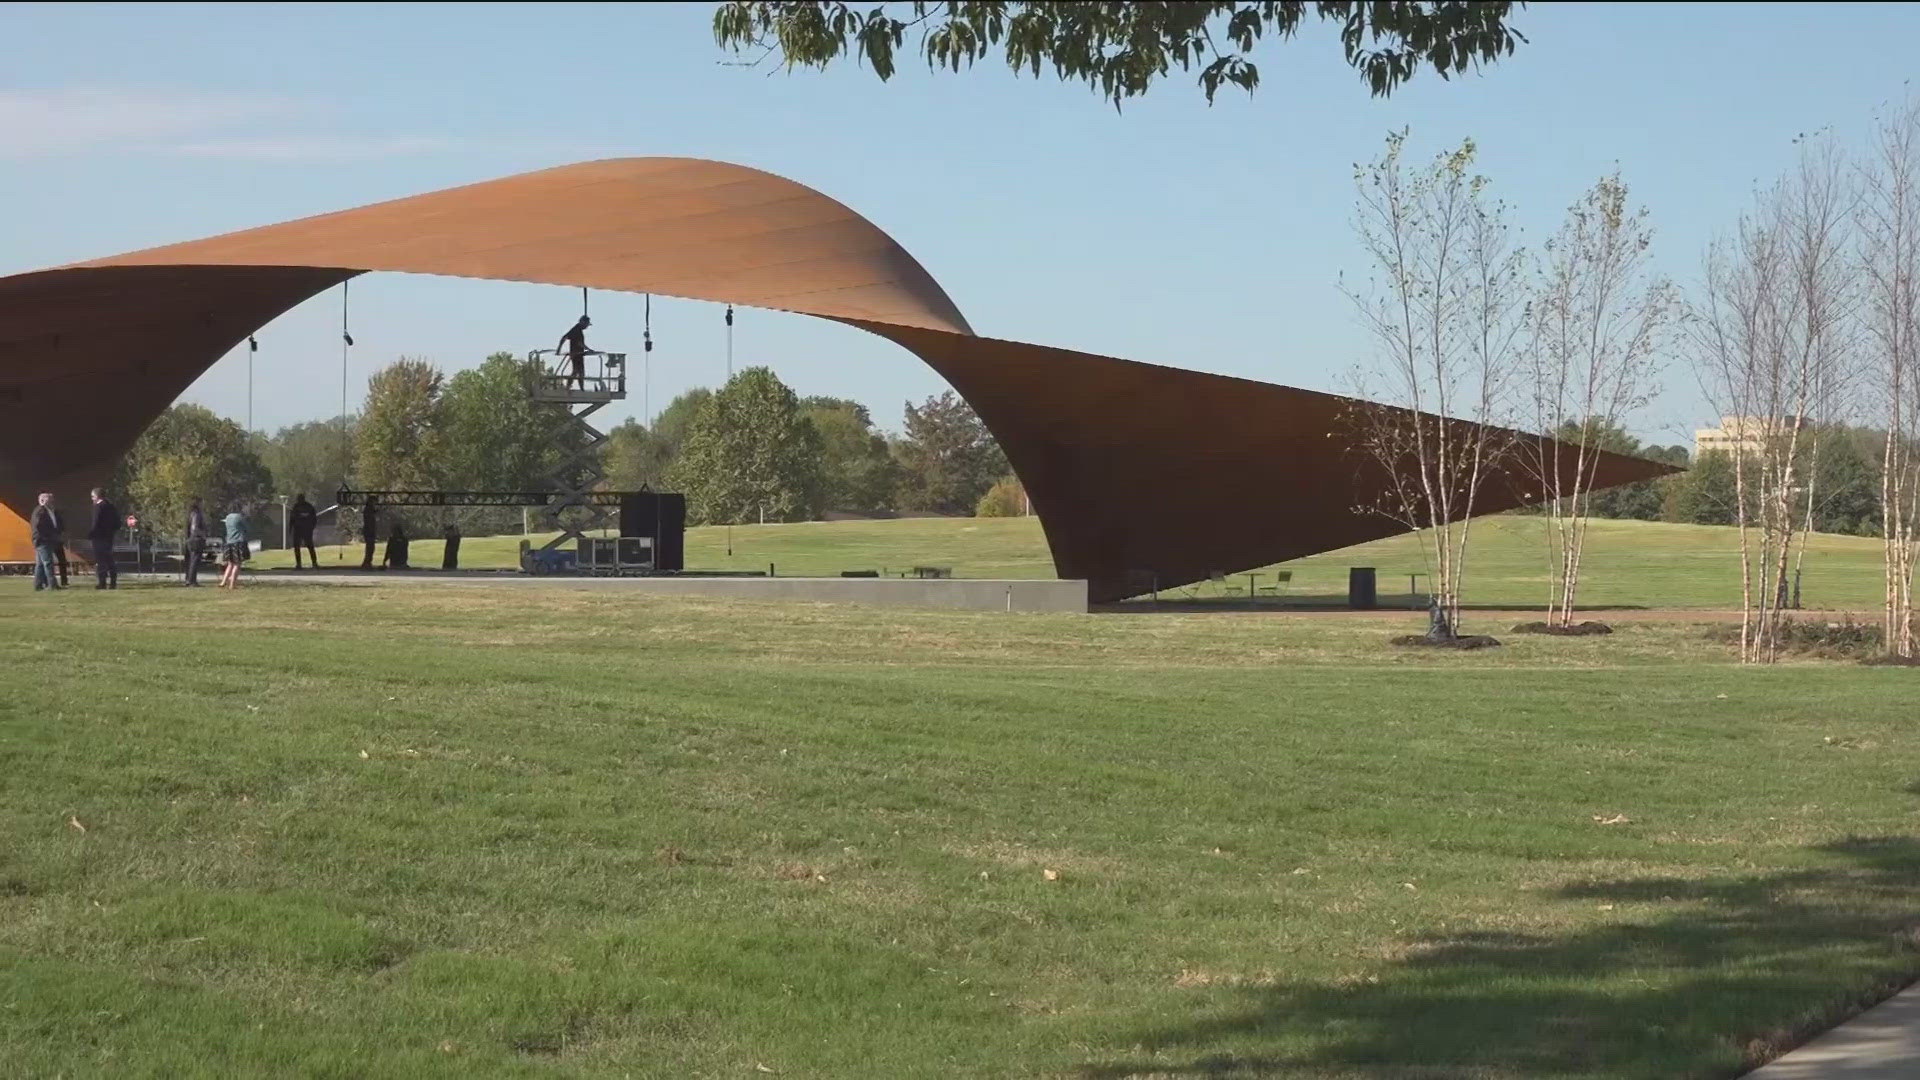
(396, 549)
(369, 529)
(49, 536)
(574, 344)
(106, 525)
(196, 540)
(301, 521)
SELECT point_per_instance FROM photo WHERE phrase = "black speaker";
(663, 516)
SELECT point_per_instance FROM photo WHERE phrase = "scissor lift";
(576, 399)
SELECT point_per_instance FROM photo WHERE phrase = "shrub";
(1006, 498)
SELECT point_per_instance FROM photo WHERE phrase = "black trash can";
(1361, 593)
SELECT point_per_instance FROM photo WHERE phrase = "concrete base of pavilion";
(948, 594)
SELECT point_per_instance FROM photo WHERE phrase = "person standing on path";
(106, 525)
(369, 528)
(236, 551)
(196, 540)
(301, 521)
(48, 536)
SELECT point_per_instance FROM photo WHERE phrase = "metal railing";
(605, 378)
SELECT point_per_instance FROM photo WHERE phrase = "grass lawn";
(1630, 563)
(313, 831)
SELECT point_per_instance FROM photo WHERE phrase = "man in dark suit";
(196, 540)
(369, 529)
(49, 536)
(106, 525)
(301, 521)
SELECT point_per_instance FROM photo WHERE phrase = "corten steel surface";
(1131, 467)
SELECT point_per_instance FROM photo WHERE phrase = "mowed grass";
(1629, 563)
(313, 831)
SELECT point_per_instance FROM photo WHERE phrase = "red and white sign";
(132, 522)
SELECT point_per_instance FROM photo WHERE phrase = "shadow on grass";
(1734, 972)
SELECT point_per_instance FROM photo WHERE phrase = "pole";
(346, 343)
(283, 522)
(253, 346)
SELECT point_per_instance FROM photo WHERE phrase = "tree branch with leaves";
(1120, 49)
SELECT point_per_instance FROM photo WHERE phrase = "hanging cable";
(646, 361)
(583, 301)
(253, 346)
(346, 342)
(729, 379)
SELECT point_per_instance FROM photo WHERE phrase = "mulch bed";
(1892, 661)
(1583, 629)
(1464, 641)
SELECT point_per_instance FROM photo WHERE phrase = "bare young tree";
(1600, 323)
(1889, 219)
(1445, 305)
(1818, 217)
(1770, 338)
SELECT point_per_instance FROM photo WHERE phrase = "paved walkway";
(1882, 1043)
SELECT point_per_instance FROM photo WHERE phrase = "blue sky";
(1173, 232)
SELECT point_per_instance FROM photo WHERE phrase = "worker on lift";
(574, 344)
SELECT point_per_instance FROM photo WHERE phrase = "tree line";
(751, 451)
(1845, 461)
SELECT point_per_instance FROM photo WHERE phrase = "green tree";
(1121, 49)
(1846, 488)
(189, 451)
(1644, 500)
(637, 455)
(1006, 498)
(1640, 501)
(632, 457)
(399, 441)
(857, 470)
(947, 457)
(306, 458)
(1705, 494)
(495, 437)
(399, 437)
(751, 455)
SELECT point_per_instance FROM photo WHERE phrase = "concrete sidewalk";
(1882, 1043)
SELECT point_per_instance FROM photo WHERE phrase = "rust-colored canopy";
(1133, 468)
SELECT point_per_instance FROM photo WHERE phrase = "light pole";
(283, 523)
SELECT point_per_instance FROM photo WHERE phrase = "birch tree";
(1889, 220)
(1445, 306)
(1599, 324)
(1770, 338)
(1821, 198)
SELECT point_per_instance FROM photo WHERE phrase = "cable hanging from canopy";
(346, 343)
(253, 346)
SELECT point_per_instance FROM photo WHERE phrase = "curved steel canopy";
(1131, 467)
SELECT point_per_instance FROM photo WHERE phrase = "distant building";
(1742, 434)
